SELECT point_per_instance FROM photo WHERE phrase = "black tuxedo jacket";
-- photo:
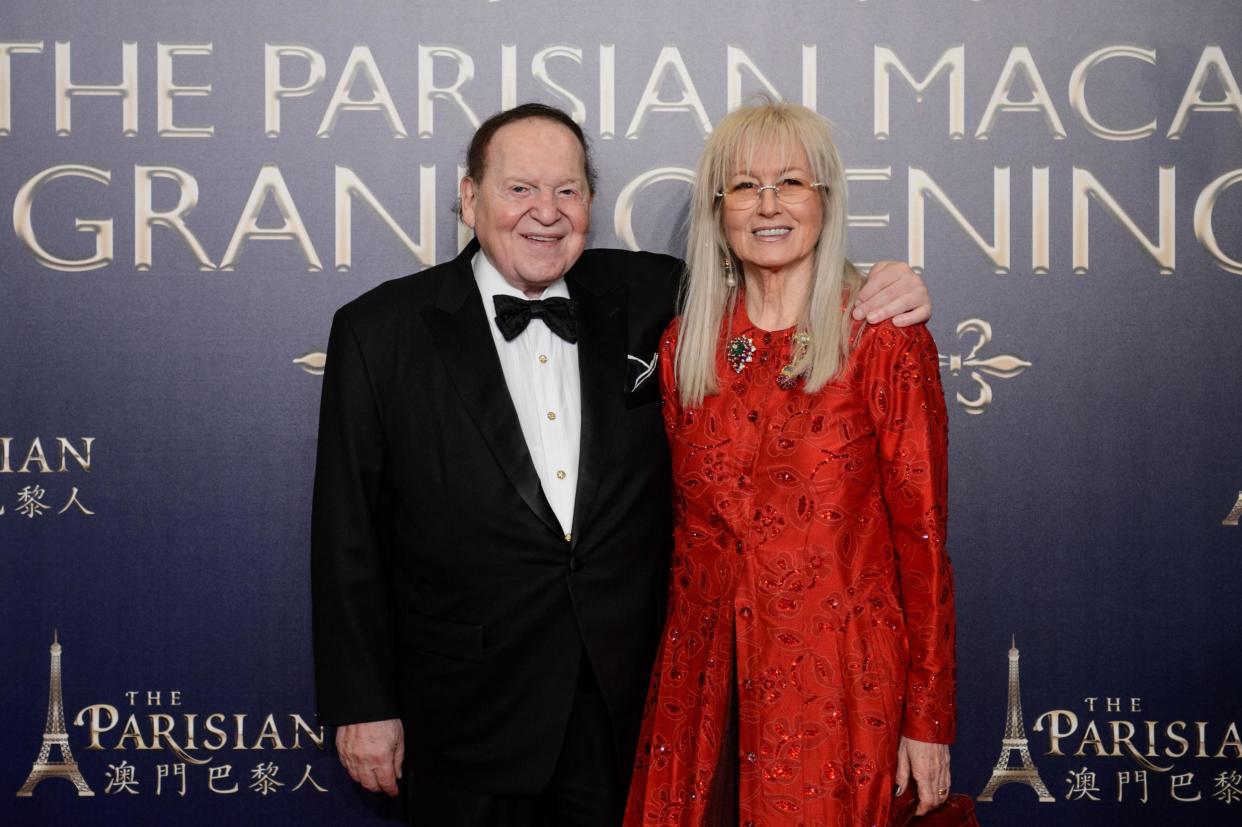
(445, 592)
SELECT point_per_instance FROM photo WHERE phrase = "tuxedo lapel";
(601, 369)
(463, 338)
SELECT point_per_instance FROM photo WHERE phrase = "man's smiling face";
(532, 207)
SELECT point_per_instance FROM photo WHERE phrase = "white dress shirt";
(541, 372)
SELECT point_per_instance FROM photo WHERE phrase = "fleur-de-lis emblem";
(313, 363)
(1002, 367)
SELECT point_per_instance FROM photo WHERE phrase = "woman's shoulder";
(883, 347)
(668, 354)
(885, 336)
(668, 339)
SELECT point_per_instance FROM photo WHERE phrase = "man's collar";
(492, 283)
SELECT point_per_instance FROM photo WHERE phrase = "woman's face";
(773, 235)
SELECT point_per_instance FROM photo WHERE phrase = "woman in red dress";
(807, 667)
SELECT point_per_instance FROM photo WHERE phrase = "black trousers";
(587, 788)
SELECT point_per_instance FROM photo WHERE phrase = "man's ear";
(468, 194)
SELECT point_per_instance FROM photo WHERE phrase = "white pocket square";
(648, 368)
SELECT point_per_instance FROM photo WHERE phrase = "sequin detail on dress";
(814, 526)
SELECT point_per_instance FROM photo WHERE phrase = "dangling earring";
(730, 273)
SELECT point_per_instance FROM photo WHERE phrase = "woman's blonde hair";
(707, 300)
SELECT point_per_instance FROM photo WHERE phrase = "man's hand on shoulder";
(373, 753)
(893, 291)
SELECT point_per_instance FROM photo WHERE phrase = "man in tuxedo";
(491, 521)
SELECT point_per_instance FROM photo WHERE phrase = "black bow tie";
(514, 314)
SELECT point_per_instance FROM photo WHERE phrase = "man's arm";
(893, 291)
(351, 571)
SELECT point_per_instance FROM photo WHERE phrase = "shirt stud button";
(551, 416)
(543, 360)
(560, 475)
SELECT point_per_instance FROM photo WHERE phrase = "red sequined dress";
(811, 618)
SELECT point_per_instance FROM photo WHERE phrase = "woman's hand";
(929, 764)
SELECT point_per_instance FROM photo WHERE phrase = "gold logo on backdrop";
(1004, 366)
(313, 363)
(181, 733)
(1235, 513)
(55, 736)
(1013, 742)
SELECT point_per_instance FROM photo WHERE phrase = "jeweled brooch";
(788, 377)
(787, 380)
(739, 352)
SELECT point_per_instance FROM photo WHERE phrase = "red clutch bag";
(957, 811)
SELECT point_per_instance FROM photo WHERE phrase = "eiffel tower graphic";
(54, 735)
(1015, 741)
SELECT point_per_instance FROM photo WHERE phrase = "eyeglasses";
(745, 195)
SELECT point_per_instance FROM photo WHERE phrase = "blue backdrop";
(1066, 174)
